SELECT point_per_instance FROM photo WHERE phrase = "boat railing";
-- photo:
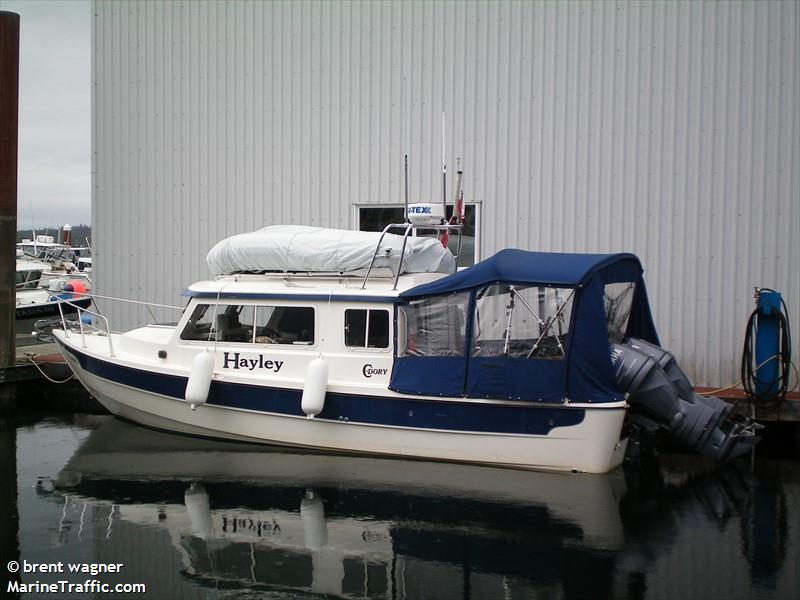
(407, 229)
(83, 325)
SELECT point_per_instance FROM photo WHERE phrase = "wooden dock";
(787, 411)
(41, 379)
(33, 359)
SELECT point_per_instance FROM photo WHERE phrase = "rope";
(712, 392)
(32, 358)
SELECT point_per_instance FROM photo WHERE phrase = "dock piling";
(9, 127)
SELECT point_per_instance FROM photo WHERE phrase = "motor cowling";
(661, 396)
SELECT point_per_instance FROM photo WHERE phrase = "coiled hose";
(767, 393)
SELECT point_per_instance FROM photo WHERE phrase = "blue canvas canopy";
(578, 367)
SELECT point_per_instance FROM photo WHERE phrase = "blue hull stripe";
(373, 410)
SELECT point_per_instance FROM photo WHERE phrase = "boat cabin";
(525, 326)
(29, 274)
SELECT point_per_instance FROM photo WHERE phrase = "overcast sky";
(54, 112)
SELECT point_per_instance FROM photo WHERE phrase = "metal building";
(670, 129)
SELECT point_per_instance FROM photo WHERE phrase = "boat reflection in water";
(349, 526)
(288, 521)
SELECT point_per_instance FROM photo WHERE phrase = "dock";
(41, 379)
(25, 369)
(787, 411)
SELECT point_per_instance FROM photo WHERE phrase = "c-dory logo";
(233, 360)
(369, 371)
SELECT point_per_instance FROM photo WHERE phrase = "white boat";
(39, 290)
(62, 257)
(526, 359)
(234, 512)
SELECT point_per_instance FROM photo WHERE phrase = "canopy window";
(521, 321)
(432, 345)
(436, 326)
(618, 301)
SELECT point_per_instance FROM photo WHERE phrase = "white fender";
(199, 379)
(315, 527)
(198, 506)
(314, 390)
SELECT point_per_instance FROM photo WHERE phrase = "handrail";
(402, 256)
(408, 228)
(378, 247)
(137, 302)
(80, 310)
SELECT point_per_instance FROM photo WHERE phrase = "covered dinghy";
(529, 326)
(298, 248)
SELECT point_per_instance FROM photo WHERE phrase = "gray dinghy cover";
(298, 248)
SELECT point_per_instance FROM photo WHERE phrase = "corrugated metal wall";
(669, 129)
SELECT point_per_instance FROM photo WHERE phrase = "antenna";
(458, 205)
(444, 171)
(406, 178)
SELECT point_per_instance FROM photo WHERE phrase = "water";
(194, 518)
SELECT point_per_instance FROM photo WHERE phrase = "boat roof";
(537, 268)
(310, 287)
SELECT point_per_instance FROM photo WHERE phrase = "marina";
(399, 300)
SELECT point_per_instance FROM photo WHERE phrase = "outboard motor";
(660, 396)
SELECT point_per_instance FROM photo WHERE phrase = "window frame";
(630, 292)
(478, 204)
(252, 343)
(390, 342)
(565, 306)
(404, 321)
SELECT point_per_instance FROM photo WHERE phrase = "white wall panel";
(670, 129)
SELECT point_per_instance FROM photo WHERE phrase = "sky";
(54, 180)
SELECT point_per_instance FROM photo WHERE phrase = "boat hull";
(42, 310)
(571, 438)
(26, 315)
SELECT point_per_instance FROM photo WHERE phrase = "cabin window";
(28, 279)
(366, 328)
(248, 324)
(435, 326)
(375, 217)
(34, 279)
(285, 325)
(618, 301)
(518, 321)
(228, 323)
(199, 327)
